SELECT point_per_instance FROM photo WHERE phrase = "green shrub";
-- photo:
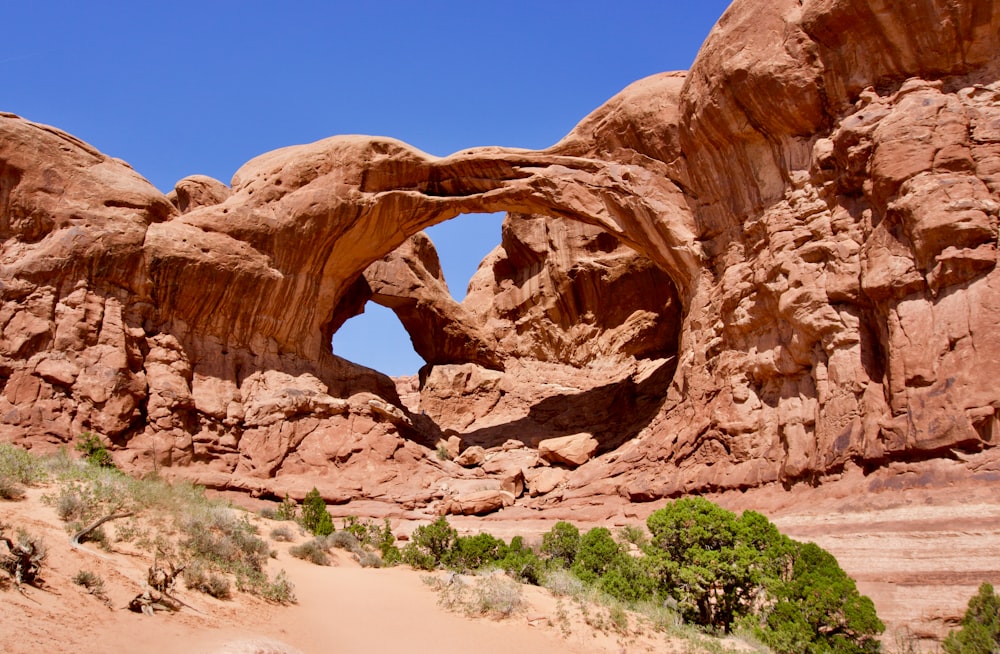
(980, 632)
(417, 558)
(521, 563)
(819, 609)
(560, 543)
(629, 579)
(430, 545)
(315, 518)
(471, 553)
(598, 552)
(712, 563)
(94, 450)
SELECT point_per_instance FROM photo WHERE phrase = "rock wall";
(774, 267)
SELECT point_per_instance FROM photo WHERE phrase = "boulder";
(573, 450)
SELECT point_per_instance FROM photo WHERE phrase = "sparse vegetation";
(696, 563)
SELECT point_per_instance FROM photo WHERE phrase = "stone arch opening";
(561, 307)
(407, 307)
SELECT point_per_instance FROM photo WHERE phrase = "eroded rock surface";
(775, 266)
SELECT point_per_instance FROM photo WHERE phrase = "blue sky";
(178, 88)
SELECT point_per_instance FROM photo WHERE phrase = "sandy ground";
(920, 553)
(342, 608)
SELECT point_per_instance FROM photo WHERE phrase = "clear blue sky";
(178, 88)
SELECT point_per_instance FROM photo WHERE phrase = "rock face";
(774, 267)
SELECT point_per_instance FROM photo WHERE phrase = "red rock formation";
(812, 217)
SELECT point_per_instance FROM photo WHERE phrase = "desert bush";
(282, 534)
(980, 632)
(369, 559)
(10, 489)
(223, 537)
(495, 595)
(314, 551)
(560, 543)
(343, 540)
(490, 595)
(198, 578)
(94, 450)
(17, 468)
(442, 452)
(561, 582)
(315, 518)
(89, 580)
(278, 590)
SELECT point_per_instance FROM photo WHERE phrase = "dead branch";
(75, 539)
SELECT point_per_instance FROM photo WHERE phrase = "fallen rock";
(541, 481)
(478, 503)
(573, 450)
(472, 456)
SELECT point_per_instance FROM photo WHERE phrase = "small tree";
(430, 545)
(315, 517)
(714, 564)
(980, 632)
(560, 543)
(819, 609)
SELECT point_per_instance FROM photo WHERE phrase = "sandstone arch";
(827, 210)
(355, 200)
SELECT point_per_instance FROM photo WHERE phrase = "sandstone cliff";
(773, 268)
